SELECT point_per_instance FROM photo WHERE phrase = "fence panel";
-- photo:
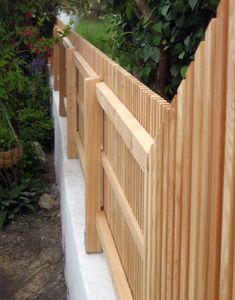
(163, 172)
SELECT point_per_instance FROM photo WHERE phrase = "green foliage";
(35, 125)
(6, 138)
(80, 7)
(25, 29)
(163, 40)
(18, 198)
(33, 118)
(96, 33)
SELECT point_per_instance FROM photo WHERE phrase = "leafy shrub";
(7, 139)
(35, 125)
(18, 197)
(37, 92)
(25, 28)
(163, 36)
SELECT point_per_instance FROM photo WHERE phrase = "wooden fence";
(159, 177)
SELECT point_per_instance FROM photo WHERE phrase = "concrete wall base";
(87, 276)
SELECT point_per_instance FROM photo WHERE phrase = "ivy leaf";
(146, 53)
(175, 70)
(145, 71)
(158, 27)
(192, 3)
(187, 40)
(183, 71)
(157, 39)
(155, 54)
(181, 55)
(164, 9)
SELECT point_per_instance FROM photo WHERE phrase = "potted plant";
(10, 150)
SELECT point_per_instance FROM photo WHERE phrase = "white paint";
(87, 276)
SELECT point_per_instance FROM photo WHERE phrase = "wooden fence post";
(62, 79)
(56, 62)
(71, 87)
(93, 169)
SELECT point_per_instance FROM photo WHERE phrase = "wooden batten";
(123, 204)
(120, 282)
(133, 134)
(62, 82)
(67, 43)
(93, 169)
(83, 66)
(71, 103)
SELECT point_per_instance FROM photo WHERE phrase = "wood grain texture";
(62, 76)
(93, 168)
(134, 135)
(228, 218)
(71, 104)
(125, 208)
(119, 279)
(167, 191)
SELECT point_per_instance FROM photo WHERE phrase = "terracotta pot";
(10, 158)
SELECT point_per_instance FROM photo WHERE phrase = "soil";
(31, 257)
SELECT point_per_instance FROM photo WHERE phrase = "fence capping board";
(67, 43)
(83, 67)
(136, 138)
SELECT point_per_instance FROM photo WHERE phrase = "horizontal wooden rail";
(122, 288)
(83, 67)
(136, 138)
(67, 44)
(124, 206)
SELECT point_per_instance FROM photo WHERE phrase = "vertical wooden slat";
(178, 191)
(93, 169)
(71, 104)
(196, 174)
(206, 141)
(228, 218)
(165, 208)
(219, 79)
(171, 203)
(187, 169)
(62, 81)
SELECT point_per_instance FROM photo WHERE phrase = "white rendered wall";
(87, 276)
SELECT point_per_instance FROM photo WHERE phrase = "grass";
(96, 32)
